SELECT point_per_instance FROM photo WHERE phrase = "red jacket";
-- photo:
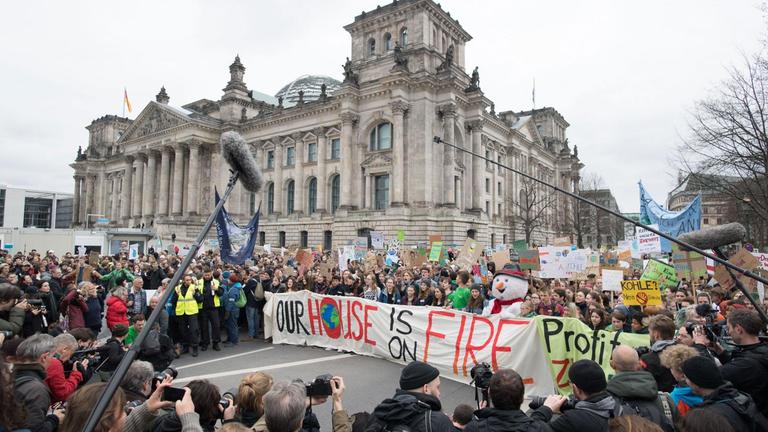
(75, 308)
(117, 312)
(61, 386)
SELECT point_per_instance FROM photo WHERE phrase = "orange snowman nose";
(499, 284)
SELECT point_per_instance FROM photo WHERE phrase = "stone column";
(165, 178)
(178, 179)
(76, 202)
(138, 185)
(397, 197)
(100, 195)
(299, 203)
(279, 204)
(348, 121)
(495, 187)
(150, 179)
(125, 196)
(193, 188)
(370, 192)
(449, 115)
(114, 196)
(478, 168)
(89, 189)
(322, 181)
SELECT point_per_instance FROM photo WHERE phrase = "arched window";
(381, 137)
(371, 47)
(312, 196)
(404, 37)
(387, 41)
(271, 198)
(335, 192)
(289, 202)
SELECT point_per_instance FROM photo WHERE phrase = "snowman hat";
(512, 270)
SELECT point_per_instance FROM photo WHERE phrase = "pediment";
(154, 118)
(377, 160)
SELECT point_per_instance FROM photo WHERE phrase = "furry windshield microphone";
(239, 157)
(711, 238)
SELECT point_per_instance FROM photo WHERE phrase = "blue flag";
(236, 243)
(669, 222)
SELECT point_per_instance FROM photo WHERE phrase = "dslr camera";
(538, 401)
(481, 374)
(161, 376)
(320, 387)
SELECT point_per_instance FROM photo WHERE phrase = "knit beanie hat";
(588, 376)
(703, 372)
(119, 330)
(417, 374)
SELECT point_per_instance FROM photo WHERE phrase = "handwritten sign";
(641, 293)
(662, 273)
(742, 259)
(529, 259)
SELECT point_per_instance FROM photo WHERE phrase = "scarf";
(499, 303)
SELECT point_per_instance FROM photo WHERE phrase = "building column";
(370, 196)
(495, 188)
(76, 202)
(113, 212)
(299, 204)
(100, 195)
(138, 185)
(125, 198)
(397, 197)
(165, 178)
(348, 175)
(478, 170)
(90, 183)
(150, 179)
(193, 187)
(279, 205)
(449, 116)
(322, 155)
(178, 179)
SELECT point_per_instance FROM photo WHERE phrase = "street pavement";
(368, 380)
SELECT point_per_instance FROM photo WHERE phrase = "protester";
(233, 310)
(137, 298)
(249, 398)
(117, 308)
(662, 332)
(32, 359)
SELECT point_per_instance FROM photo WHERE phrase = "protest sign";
(500, 258)
(377, 240)
(304, 258)
(562, 241)
(612, 280)
(647, 241)
(519, 245)
(469, 254)
(435, 251)
(762, 259)
(561, 261)
(540, 350)
(742, 259)
(609, 261)
(688, 265)
(641, 293)
(133, 251)
(529, 259)
(401, 236)
(660, 272)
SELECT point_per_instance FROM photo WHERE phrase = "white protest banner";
(377, 240)
(647, 241)
(268, 248)
(612, 280)
(562, 261)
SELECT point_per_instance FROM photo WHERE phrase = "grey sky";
(623, 73)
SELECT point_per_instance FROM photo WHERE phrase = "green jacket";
(110, 279)
(14, 322)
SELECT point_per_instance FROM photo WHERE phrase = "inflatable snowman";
(509, 288)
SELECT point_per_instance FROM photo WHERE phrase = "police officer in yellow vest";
(185, 303)
(210, 307)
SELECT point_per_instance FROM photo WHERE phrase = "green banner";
(664, 274)
(519, 245)
(434, 253)
(567, 340)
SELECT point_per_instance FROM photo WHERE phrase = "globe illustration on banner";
(329, 313)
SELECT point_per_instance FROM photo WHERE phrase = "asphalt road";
(368, 380)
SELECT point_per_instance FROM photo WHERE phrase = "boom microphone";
(711, 238)
(239, 157)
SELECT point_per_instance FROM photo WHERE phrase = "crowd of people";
(66, 322)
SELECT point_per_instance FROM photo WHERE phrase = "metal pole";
(131, 354)
(685, 245)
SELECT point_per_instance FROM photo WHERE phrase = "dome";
(310, 84)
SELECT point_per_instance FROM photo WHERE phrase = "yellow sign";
(641, 293)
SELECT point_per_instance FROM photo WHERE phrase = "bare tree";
(533, 206)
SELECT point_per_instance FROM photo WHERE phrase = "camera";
(481, 374)
(538, 401)
(7, 333)
(161, 376)
(320, 387)
(36, 303)
(94, 355)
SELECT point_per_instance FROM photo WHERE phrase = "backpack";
(660, 414)
(151, 345)
(241, 300)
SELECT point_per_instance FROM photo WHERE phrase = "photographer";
(60, 385)
(506, 392)
(594, 406)
(417, 398)
(73, 305)
(32, 358)
(34, 317)
(12, 309)
(137, 382)
(284, 407)
(205, 397)
(249, 399)
(114, 350)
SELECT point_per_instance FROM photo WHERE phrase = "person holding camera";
(12, 310)
(137, 382)
(114, 350)
(32, 359)
(249, 399)
(415, 404)
(506, 392)
(73, 305)
(35, 320)
(63, 386)
(207, 404)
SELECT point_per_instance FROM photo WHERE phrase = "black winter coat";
(420, 412)
(590, 415)
(494, 420)
(736, 407)
(747, 371)
(652, 363)
(32, 392)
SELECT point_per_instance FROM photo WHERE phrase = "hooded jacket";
(74, 307)
(33, 394)
(117, 312)
(496, 420)
(638, 389)
(651, 362)
(738, 408)
(420, 412)
(685, 399)
(591, 415)
(747, 370)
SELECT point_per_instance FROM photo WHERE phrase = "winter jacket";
(685, 399)
(111, 279)
(94, 314)
(75, 308)
(34, 395)
(51, 306)
(746, 370)
(189, 422)
(736, 407)
(155, 279)
(114, 351)
(496, 420)
(61, 386)
(651, 362)
(410, 409)
(33, 324)
(638, 390)
(117, 312)
(591, 415)
(233, 292)
(385, 298)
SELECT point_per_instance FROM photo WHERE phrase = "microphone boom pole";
(133, 351)
(719, 258)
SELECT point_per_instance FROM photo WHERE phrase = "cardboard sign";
(435, 251)
(641, 293)
(326, 270)
(563, 241)
(742, 259)
(529, 259)
(519, 245)
(469, 254)
(647, 241)
(664, 274)
(689, 265)
(500, 258)
(304, 258)
(610, 261)
(612, 280)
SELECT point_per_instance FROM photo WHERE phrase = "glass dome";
(311, 85)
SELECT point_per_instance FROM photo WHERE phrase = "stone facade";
(338, 164)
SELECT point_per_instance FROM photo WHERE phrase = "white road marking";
(224, 358)
(263, 368)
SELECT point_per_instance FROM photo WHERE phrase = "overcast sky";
(624, 74)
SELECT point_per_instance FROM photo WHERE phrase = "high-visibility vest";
(186, 305)
(214, 287)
